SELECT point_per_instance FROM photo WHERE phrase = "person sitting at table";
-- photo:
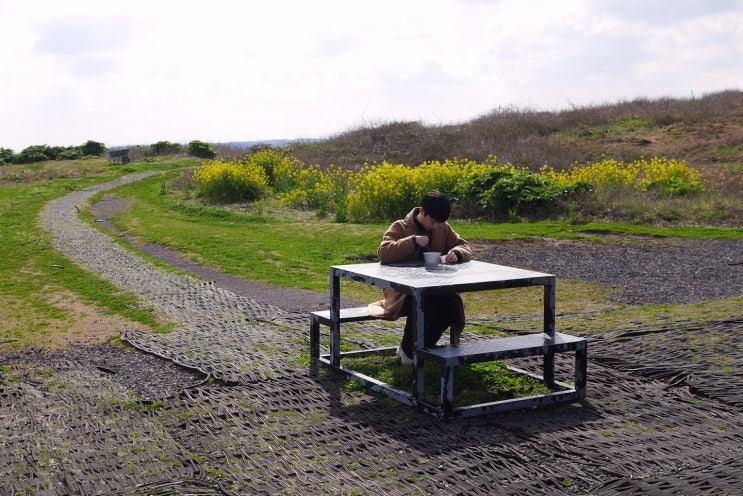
(424, 229)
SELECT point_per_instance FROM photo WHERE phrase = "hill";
(705, 132)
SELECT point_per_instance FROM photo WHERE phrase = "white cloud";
(139, 72)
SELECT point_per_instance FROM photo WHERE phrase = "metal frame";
(418, 281)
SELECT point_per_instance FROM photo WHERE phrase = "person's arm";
(399, 244)
(459, 249)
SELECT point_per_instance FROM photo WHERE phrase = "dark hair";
(436, 205)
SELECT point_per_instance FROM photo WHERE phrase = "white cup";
(432, 258)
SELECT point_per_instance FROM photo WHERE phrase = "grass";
(280, 247)
(292, 248)
(473, 384)
(43, 293)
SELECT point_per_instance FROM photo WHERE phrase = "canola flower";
(667, 175)
(231, 181)
(382, 191)
(387, 191)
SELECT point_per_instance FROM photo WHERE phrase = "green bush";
(200, 149)
(384, 192)
(71, 154)
(35, 153)
(166, 148)
(6, 156)
(505, 190)
(42, 153)
(93, 148)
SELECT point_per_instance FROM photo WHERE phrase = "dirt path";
(663, 413)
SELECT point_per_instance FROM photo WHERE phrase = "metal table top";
(468, 276)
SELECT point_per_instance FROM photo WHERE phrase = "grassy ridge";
(703, 131)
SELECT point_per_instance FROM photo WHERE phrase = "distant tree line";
(42, 153)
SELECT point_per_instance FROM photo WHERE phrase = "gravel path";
(642, 271)
(101, 420)
(248, 345)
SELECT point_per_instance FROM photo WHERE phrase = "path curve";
(230, 337)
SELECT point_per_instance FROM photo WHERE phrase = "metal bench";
(507, 348)
(356, 314)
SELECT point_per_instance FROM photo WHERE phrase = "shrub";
(386, 191)
(72, 153)
(444, 177)
(35, 153)
(281, 170)
(664, 175)
(6, 156)
(671, 177)
(41, 153)
(501, 190)
(230, 181)
(166, 148)
(200, 149)
(93, 148)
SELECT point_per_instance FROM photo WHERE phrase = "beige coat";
(398, 245)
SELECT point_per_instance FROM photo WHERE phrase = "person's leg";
(441, 312)
(407, 337)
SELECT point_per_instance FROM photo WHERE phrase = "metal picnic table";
(419, 281)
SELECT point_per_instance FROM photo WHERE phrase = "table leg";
(418, 341)
(549, 330)
(314, 345)
(335, 317)
(447, 391)
(581, 369)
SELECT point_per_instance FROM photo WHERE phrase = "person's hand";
(450, 257)
(421, 241)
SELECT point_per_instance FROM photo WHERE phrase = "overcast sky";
(137, 72)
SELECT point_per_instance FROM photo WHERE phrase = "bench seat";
(487, 350)
(355, 314)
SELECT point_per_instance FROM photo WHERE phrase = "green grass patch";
(269, 243)
(590, 231)
(651, 316)
(295, 248)
(473, 384)
(36, 282)
(289, 250)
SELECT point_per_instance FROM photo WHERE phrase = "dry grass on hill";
(706, 131)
